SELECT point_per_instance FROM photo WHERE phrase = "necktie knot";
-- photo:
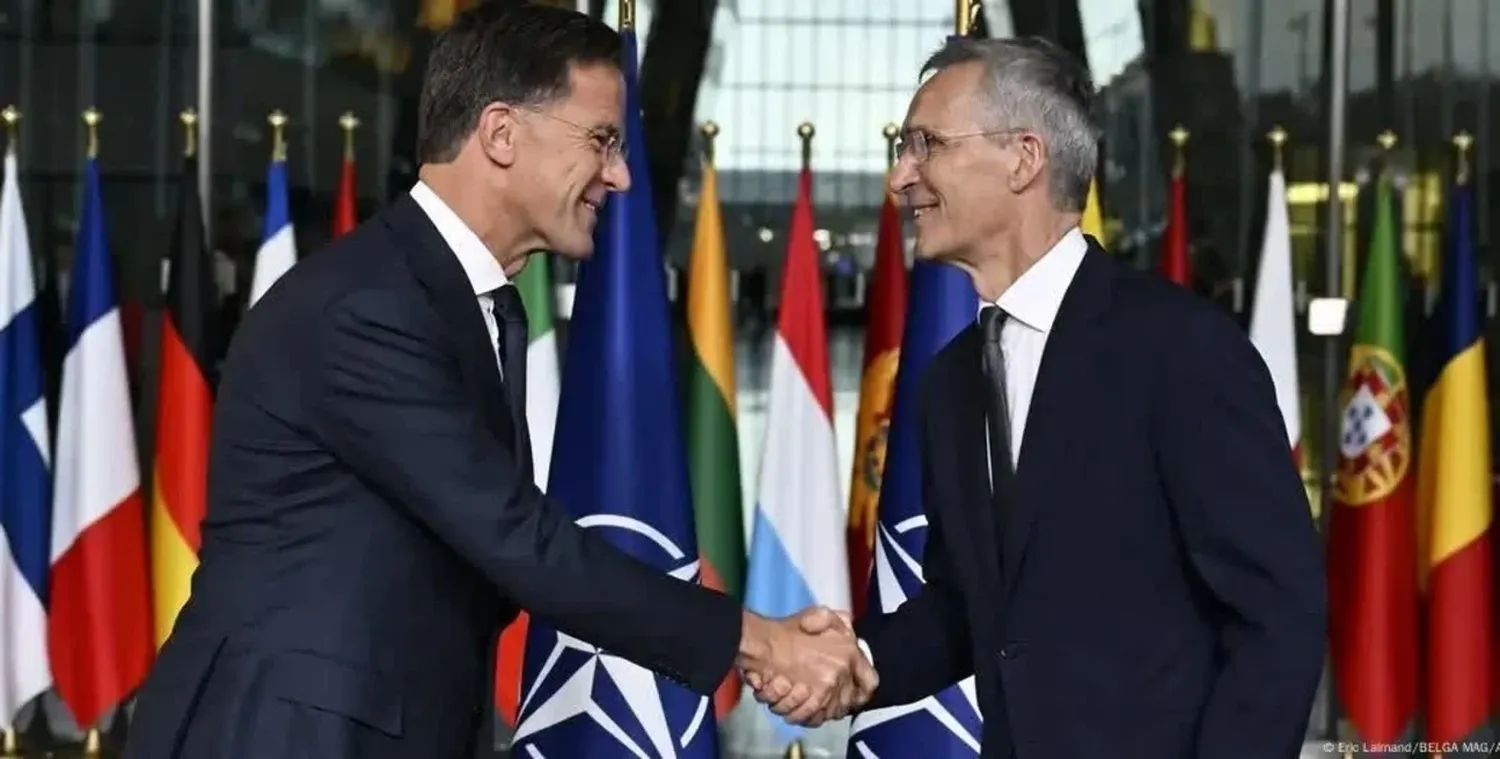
(508, 306)
(991, 321)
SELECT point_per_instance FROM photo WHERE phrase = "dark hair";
(502, 50)
(1032, 83)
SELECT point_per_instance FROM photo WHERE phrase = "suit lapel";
(443, 277)
(1067, 377)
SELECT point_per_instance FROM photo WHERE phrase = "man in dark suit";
(372, 520)
(1119, 547)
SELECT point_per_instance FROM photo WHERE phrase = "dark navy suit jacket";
(1161, 593)
(373, 523)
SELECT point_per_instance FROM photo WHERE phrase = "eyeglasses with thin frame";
(920, 143)
(609, 143)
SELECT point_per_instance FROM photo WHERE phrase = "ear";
(1030, 159)
(496, 133)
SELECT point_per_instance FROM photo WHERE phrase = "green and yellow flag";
(713, 444)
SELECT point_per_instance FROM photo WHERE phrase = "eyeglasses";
(920, 144)
(608, 142)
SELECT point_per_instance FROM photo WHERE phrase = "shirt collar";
(1035, 298)
(484, 272)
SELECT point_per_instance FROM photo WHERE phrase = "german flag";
(184, 409)
(1453, 494)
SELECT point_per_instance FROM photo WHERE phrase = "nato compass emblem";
(583, 701)
(946, 725)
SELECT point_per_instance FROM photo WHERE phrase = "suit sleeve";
(923, 646)
(1222, 451)
(390, 404)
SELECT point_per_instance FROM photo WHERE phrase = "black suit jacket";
(1164, 591)
(373, 522)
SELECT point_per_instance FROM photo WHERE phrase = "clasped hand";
(808, 667)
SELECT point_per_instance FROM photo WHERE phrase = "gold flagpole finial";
(709, 130)
(1462, 142)
(1386, 139)
(1277, 137)
(961, 17)
(91, 742)
(1179, 137)
(973, 12)
(805, 131)
(794, 751)
(627, 15)
(10, 745)
(891, 133)
(189, 119)
(277, 120)
(349, 122)
(91, 119)
(12, 118)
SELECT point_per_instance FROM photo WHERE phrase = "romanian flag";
(1454, 495)
(712, 437)
(184, 411)
(1372, 572)
(885, 313)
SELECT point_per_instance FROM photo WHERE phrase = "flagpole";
(806, 131)
(627, 15)
(189, 119)
(891, 132)
(91, 119)
(9, 743)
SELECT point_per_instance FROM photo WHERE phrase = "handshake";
(807, 667)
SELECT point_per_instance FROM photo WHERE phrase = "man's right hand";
(807, 667)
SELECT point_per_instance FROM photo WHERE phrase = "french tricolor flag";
(25, 483)
(798, 556)
(99, 627)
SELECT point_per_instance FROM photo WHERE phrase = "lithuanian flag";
(184, 410)
(712, 437)
(1454, 495)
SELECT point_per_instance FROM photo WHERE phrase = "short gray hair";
(1035, 85)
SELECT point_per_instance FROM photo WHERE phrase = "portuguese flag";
(1372, 571)
(713, 445)
(184, 409)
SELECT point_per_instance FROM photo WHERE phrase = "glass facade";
(1227, 70)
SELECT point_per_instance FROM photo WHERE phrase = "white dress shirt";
(1032, 303)
(484, 272)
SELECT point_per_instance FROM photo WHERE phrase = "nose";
(903, 174)
(617, 174)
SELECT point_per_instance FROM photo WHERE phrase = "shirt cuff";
(864, 648)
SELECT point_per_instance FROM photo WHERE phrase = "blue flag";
(948, 725)
(620, 467)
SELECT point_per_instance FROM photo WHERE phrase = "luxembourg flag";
(278, 246)
(25, 483)
(798, 556)
(99, 628)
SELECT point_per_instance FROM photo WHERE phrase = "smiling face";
(957, 187)
(567, 158)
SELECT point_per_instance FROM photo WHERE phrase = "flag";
(619, 437)
(345, 217)
(1092, 223)
(797, 548)
(25, 453)
(1273, 326)
(885, 312)
(184, 411)
(542, 384)
(1454, 495)
(278, 246)
(1372, 572)
(712, 435)
(99, 627)
(947, 725)
(1176, 265)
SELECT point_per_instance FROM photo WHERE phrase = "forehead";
(596, 95)
(947, 98)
